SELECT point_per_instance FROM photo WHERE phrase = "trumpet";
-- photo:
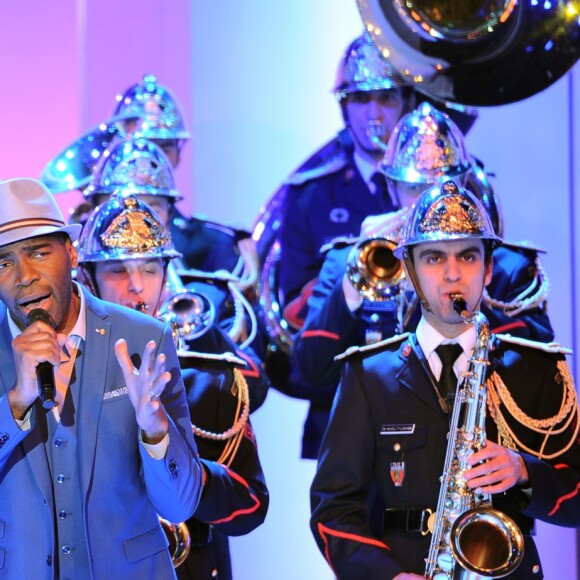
(190, 314)
(373, 269)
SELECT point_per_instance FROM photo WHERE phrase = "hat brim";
(17, 235)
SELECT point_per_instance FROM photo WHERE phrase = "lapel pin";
(100, 331)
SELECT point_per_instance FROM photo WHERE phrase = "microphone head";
(38, 314)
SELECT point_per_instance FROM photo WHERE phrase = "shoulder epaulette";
(371, 347)
(523, 245)
(339, 243)
(191, 274)
(228, 229)
(554, 347)
(331, 165)
(226, 357)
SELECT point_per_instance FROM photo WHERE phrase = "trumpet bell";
(190, 314)
(476, 52)
(374, 270)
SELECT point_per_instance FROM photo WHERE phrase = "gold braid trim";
(235, 433)
(498, 393)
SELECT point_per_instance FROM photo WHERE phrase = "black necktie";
(382, 192)
(448, 353)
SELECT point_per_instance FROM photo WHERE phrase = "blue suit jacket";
(123, 488)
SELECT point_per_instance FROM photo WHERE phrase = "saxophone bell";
(179, 540)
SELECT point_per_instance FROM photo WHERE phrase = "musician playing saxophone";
(382, 456)
(426, 145)
(124, 251)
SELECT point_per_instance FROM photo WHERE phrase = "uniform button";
(60, 478)
(62, 514)
(65, 549)
(535, 569)
(58, 443)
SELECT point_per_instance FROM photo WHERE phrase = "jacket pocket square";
(115, 393)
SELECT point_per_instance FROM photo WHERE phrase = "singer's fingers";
(123, 358)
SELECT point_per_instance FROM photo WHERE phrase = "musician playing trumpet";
(382, 456)
(124, 252)
(424, 147)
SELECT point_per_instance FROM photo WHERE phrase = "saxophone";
(470, 538)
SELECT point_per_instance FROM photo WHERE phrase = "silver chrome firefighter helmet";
(134, 166)
(424, 146)
(150, 110)
(363, 68)
(124, 228)
(444, 212)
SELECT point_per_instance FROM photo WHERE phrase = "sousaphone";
(476, 52)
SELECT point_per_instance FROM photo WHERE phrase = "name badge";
(401, 429)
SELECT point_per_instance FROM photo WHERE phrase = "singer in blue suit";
(82, 485)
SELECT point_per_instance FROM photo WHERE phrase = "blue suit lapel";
(92, 368)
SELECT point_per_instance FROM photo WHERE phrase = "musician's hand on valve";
(496, 469)
(145, 386)
(385, 225)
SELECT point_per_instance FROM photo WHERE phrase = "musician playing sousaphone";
(362, 296)
(387, 437)
(124, 253)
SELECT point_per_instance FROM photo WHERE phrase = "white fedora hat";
(28, 209)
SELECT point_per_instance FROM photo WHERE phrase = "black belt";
(416, 519)
(406, 520)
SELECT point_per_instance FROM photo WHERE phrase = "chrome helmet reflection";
(134, 166)
(424, 146)
(363, 68)
(150, 110)
(445, 212)
(124, 228)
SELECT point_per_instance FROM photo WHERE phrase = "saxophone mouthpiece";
(460, 306)
(142, 307)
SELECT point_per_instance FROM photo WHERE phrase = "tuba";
(470, 538)
(473, 54)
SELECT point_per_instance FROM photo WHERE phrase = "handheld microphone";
(44, 370)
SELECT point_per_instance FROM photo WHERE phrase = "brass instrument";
(179, 540)
(373, 269)
(177, 535)
(470, 537)
(190, 314)
(489, 54)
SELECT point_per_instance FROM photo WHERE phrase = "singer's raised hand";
(37, 343)
(145, 386)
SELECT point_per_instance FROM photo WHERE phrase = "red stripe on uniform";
(323, 333)
(563, 499)
(515, 324)
(325, 531)
(253, 371)
(244, 511)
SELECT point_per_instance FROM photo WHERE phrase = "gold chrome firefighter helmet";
(124, 228)
(134, 166)
(445, 212)
(150, 110)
